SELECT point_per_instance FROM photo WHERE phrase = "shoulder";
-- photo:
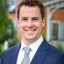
(10, 54)
(54, 55)
(11, 50)
(57, 55)
(53, 50)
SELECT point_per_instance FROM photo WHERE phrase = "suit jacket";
(46, 54)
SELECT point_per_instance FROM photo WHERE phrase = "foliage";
(44, 34)
(60, 47)
(7, 31)
(6, 25)
(0, 49)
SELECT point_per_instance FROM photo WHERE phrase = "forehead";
(28, 10)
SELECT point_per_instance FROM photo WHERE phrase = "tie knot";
(27, 50)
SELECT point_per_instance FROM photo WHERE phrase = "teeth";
(30, 29)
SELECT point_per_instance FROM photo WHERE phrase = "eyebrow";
(31, 18)
(35, 17)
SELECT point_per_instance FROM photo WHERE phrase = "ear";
(43, 22)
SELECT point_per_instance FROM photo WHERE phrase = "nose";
(30, 23)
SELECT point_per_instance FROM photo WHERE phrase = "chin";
(29, 37)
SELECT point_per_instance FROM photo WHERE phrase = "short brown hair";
(31, 3)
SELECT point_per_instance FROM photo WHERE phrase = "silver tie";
(26, 59)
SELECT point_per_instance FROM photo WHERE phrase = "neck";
(29, 42)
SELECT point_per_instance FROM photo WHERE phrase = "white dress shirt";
(34, 46)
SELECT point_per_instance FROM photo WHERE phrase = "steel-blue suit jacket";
(46, 54)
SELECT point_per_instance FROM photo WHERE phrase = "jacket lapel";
(41, 54)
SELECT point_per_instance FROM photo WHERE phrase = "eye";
(35, 19)
(24, 19)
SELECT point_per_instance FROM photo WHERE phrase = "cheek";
(20, 24)
(38, 24)
(20, 28)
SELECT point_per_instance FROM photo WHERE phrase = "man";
(30, 14)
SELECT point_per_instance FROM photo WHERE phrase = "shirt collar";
(33, 46)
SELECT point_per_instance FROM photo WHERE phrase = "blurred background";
(53, 31)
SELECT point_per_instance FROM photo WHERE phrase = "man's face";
(30, 23)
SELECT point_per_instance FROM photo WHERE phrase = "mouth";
(30, 29)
